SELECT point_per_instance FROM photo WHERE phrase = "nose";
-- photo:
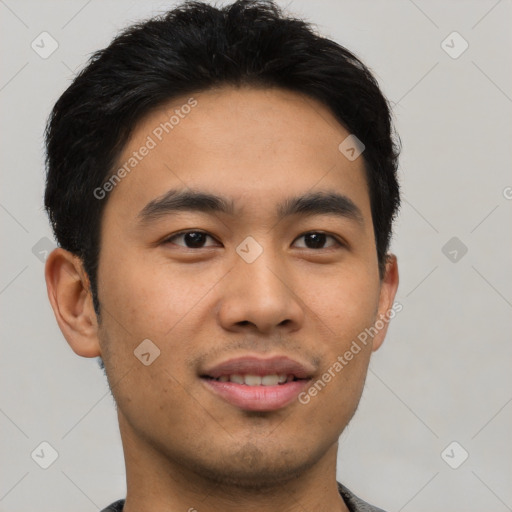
(260, 295)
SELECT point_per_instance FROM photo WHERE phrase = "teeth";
(270, 380)
(252, 380)
(256, 380)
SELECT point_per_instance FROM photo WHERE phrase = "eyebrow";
(308, 204)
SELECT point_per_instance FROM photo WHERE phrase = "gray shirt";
(353, 503)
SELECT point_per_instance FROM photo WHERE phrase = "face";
(247, 302)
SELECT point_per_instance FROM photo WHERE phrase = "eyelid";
(339, 242)
(184, 232)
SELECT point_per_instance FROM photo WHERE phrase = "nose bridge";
(258, 291)
(259, 268)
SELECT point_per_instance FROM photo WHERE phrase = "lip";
(258, 398)
(251, 365)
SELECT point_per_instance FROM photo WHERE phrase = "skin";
(185, 448)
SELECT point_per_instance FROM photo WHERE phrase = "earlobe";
(389, 286)
(70, 297)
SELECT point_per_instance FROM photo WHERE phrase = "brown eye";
(317, 240)
(192, 239)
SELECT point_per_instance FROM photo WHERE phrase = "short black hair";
(191, 48)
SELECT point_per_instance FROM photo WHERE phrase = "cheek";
(151, 299)
(343, 304)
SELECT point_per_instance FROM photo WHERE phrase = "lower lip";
(257, 398)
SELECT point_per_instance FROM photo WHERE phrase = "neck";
(157, 483)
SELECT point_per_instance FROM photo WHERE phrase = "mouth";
(255, 380)
(256, 384)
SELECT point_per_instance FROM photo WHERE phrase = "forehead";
(253, 145)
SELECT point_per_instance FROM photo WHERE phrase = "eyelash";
(339, 244)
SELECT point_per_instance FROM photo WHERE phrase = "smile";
(255, 384)
(256, 380)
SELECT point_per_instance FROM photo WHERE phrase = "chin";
(256, 468)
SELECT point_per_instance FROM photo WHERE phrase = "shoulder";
(354, 503)
(117, 506)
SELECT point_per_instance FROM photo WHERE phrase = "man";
(222, 185)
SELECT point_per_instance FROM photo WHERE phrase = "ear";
(70, 297)
(386, 311)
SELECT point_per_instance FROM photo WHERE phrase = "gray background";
(443, 374)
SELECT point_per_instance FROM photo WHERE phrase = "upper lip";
(251, 365)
